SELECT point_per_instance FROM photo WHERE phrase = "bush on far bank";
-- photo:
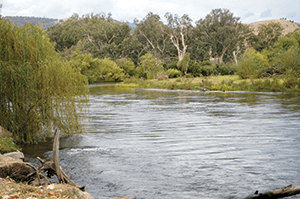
(206, 68)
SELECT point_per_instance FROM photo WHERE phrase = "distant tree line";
(215, 44)
(45, 22)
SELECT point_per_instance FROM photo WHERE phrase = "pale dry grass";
(287, 26)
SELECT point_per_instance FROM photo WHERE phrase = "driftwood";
(51, 167)
(278, 193)
(61, 175)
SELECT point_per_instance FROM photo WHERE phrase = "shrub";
(85, 64)
(289, 61)
(252, 64)
(207, 70)
(109, 71)
(128, 66)
(225, 69)
(195, 69)
(173, 73)
(149, 67)
(172, 65)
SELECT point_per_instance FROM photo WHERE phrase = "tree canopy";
(39, 91)
(215, 45)
(222, 34)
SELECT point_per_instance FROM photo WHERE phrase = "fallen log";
(51, 167)
(278, 193)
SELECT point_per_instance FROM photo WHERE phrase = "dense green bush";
(195, 69)
(172, 65)
(225, 69)
(128, 66)
(289, 61)
(149, 67)
(173, 73)
(99, 69)
(207, 70)
(204, 68)
(86, 65)
(252, 64)
(109, 71)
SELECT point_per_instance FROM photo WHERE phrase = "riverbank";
(11, 189)
(219, 83)
(12, 167)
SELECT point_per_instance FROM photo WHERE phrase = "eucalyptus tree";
(99, 33)
(105, 36)
(151, 33)
(68, 33)
(131, 48)
(267, 35)
(38, 90)
(221, 33)
(179, 30)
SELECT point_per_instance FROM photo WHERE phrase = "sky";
(127, 10)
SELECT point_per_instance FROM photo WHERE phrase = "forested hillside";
(19, 20)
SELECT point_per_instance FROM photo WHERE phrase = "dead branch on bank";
(51, 167)
(278, 193)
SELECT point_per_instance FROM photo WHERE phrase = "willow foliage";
(38, 90)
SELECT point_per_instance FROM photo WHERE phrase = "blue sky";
(128, 10)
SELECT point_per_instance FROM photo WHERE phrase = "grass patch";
(220, 83)
(7, 145)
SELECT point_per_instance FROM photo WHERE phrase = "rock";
(15, 155)
(4, 132)
(14, 168)
(51, 186)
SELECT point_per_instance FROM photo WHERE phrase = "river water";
(150, 143)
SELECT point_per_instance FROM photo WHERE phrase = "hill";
(47, 22)
(287, 26)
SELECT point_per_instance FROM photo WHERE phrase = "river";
(151, 143)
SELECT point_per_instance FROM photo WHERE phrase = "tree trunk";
(278, 193)
(55, 152)
(61, 175)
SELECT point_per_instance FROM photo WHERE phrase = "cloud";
(249, 14)
(128, 10)
(266, 13)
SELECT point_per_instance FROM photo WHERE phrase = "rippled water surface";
(148, 143)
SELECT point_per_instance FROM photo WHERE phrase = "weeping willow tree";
(39, 91)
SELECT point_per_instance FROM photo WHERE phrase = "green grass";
(220, 83)
(7, 145)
